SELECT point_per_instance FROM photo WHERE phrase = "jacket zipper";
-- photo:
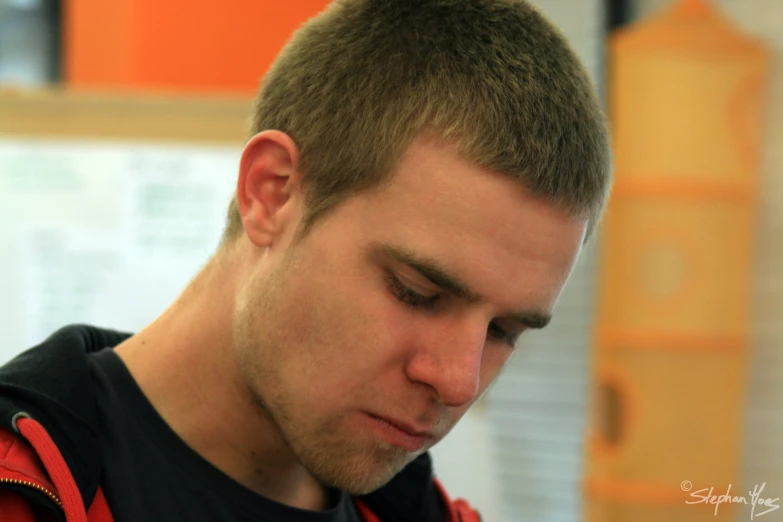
(38, 488)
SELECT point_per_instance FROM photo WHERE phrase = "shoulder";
(36, 482)
(51, 383)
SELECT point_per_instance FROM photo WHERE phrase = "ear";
(268, 186)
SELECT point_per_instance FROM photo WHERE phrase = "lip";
(401, 434)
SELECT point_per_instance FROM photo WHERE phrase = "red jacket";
(41, 480)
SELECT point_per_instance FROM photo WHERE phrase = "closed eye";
(409, 296)
(414, 299)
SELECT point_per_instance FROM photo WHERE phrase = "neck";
(209, 406)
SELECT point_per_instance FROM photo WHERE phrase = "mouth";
(407, 436)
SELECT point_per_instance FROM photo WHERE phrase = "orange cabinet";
(672, 331)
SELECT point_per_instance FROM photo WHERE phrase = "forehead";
(482, 225)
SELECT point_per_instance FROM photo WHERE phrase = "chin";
(363, 474)
(359, 484)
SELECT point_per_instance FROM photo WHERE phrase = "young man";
(417, 186)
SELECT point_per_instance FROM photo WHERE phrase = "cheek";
(493, 361)
(337, 340)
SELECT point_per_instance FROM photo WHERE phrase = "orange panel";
(687, 94)
(607, 511)
(677, 417)
(98, 40)
(676, 267)
(715, 139)
(178, 44)
(673, 322)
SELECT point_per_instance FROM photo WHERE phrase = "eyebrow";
(443, 278)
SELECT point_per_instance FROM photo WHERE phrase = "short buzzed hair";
(358, 83)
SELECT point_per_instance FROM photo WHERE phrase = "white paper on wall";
(63, 272)
(103, 233)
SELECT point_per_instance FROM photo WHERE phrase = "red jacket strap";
(365, 513)
(99, 509)
(55, 465)
(457, 510)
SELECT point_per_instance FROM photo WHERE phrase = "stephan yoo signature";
(758, 505)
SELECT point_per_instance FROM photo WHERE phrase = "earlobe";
(268, 182)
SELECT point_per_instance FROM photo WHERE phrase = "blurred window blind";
(537, 410)
(763, 431)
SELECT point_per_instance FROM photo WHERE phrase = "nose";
(449, 361)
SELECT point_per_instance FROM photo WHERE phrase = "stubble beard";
(357, 463)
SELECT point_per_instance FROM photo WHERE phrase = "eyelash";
(415, 300)
(408, 296)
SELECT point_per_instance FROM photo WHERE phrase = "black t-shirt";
(150, 474)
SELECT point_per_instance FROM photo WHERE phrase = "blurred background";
(660, 381)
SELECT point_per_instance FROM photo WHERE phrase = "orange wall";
(181, 45)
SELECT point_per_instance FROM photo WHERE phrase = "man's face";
(367, 341)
